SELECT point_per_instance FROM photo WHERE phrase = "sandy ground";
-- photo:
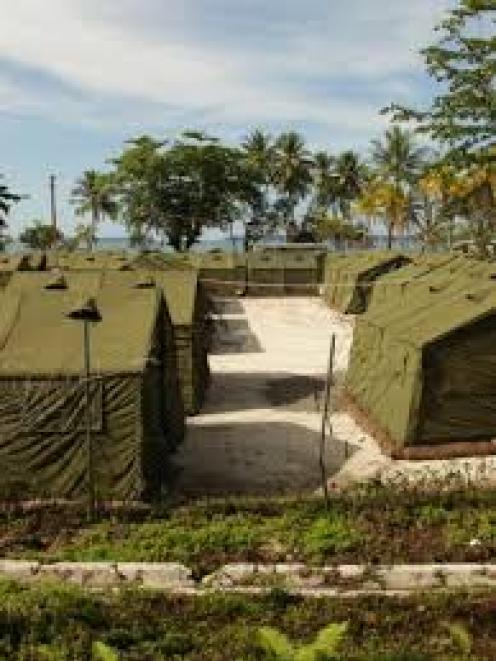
(259, 432)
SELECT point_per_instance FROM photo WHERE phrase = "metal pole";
(325, 417)
(53, 204)
(89, 442)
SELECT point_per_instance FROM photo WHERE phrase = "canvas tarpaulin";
(187, 308)
(9, 264)
(41, 385)
(349, 279)
(222, 273)
(422, 365)
(392, 285)
(185, 325)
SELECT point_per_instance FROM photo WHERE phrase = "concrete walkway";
(259, 432)
(297, 579)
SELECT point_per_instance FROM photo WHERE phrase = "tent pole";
(89, 442)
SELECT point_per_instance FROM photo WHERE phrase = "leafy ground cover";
(57, 623)
(373, 525)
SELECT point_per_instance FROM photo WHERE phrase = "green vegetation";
(462, 64)
(55, 622)
(373, 526)
(462, 116)
(94, 193)
(40, 236)
(277, 647)
(7, 199)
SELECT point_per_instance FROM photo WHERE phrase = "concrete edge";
(247, 578)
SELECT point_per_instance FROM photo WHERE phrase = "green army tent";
(422, 368)
(87, 261)
(10, 264)
(392, 285)
(163, 260)
(187, 307)
(315, 251)
(222, 273)
(301, 272)
(349, 279)
(42, 412)
(265, 273)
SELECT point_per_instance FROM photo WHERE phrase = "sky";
(79, 77)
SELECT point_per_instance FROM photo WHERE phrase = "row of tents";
(422, 373)
(149, 368)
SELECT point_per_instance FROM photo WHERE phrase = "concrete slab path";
(259, 432)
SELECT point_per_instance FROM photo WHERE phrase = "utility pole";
(53, 205)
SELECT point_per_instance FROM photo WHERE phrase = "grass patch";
(55, 622)
(373, 525)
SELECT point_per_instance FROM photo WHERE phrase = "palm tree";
(324, 181)
(258, 159)
(259, 153)
(94, 193)
(292, 173)
(350, 176)
(398, 161)
(381, 200)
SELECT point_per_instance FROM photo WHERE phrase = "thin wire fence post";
(89, 440)
(325, 418)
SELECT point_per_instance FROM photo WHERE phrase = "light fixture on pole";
(88, 313)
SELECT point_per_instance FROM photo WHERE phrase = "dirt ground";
(259, 431)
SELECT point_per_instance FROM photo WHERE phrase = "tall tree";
(324, 181)
(40, 236)
(175, 190)
(350, 177)
(463, 114)
(381, 201)
(258, 155)
(292, 173)
(7, 200)
(475, 200)
(94, 193)
(398, 162)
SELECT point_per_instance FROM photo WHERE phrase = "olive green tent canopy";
(422, 368)
(42, 411)
(9, 264)
(187, 307)
(392, 285)
(33, 315)
(88, 261)
(158, 261)
(265, 273)
(186, 303)
(349, 279)
(222, 273)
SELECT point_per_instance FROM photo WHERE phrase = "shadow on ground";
(244, 391)
(227, 306)
(254, 458)
(234, 336)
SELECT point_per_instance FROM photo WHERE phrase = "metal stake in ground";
(88, 313)
(325, 418)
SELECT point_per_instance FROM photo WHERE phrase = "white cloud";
(94, 51)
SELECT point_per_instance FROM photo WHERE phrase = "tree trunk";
(390, 236)
(94, 221)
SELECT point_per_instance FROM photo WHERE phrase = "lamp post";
(89, 314)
